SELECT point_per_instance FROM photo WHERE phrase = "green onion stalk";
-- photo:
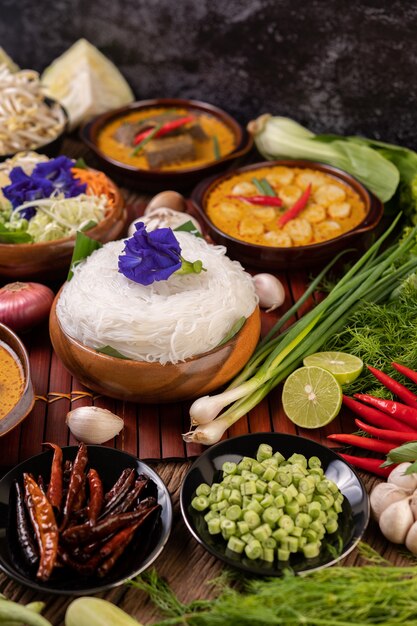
(372, 278)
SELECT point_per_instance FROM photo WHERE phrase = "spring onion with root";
(372, 278)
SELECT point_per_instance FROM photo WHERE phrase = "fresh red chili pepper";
(364, 442)
(296, 208)
(260, 200)
(368, 464)
(166, 128)
(85, 533)
(389, 435)
(44, 525)
(96, 495)
(411, 374)
(24, 532)
(75, 483)
(393, 385)
(55, 487)
(374, 416)
(403, 412)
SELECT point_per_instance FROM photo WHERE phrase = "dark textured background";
(337, 66)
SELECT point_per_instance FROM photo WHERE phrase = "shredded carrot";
(97, 183)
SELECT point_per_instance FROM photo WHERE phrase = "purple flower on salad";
(47, 178)
(59, 173)
(148, 257)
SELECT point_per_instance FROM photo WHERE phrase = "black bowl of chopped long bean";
(266, 502)
(79, 520)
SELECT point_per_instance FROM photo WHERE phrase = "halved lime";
(311, 397)
(344, 367)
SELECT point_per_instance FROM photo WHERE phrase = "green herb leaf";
(143, 143)
(233, 331)
(84, 246)
(216, 148)
(81, 164)
(109, 351)
(268, 191)
(15, 236)
(412, 468)
(89, 225)
(188, 227)
(406, 453)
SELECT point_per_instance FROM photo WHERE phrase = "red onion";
(24, 305)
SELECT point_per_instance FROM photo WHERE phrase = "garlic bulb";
(163, 217)
(394, 506)
(92, 424)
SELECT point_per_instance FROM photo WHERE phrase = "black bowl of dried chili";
(125, 503)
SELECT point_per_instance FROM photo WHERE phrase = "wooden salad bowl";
(27, 398)
(49, 260)
(139, 381)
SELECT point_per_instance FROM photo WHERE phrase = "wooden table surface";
(152, 433)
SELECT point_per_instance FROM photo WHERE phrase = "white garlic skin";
(396, 520)
(404, 481)
(270, 291)
(383, 495)
(91, 424)
(411, 539)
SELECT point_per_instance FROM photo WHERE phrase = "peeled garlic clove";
(405, 481)
(384, 494)
(396, 520)
(91, 424)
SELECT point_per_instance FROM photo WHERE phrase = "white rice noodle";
(168, 321)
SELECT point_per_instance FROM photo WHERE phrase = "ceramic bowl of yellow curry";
(16, 391)
(165, 143)
(287, 214)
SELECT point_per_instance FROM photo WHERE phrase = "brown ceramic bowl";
(157, 180)
(138, 381)
(274, 258)
(50, 260)
(27, 399)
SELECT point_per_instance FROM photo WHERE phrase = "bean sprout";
(26, 120)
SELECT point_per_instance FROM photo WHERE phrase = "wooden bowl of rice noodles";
(174, 332)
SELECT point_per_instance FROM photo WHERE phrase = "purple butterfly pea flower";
(150, 257)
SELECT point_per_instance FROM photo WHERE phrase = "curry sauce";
(11, 379)
(332, 208)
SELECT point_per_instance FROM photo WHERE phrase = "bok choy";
(281, 137)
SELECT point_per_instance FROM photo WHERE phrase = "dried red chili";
(120, 493)
(55, 487)
(24, 532)
(44, 525)
(96, 495)
(291, 213)
(75, 483)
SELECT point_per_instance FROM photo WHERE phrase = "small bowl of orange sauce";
(16, 391)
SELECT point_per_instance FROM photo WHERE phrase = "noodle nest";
(167, 321)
